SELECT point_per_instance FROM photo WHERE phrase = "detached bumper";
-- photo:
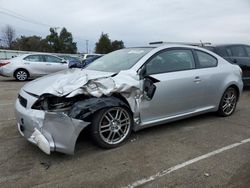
(50, 131)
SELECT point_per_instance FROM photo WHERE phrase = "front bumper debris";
(40, 141)
(50, 131)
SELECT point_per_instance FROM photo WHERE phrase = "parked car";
(91, 59)
(32, 65)
(71, 58)
(86, 56)
(85, 62)
(129, 89)
(235, 53)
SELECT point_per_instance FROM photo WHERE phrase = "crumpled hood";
(63, 82)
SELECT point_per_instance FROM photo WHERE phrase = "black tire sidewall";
(220, 110)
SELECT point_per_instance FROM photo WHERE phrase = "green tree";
(31, 43)
(117, 44)
(62, 43)
(103, 46)
(53, 40)
(66, 42)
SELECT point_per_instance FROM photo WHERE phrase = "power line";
(16, 15)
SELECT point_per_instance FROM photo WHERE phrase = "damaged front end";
(54, 119)
(46, 122)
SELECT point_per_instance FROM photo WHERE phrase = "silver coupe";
(129, 89)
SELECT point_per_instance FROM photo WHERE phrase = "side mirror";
(63, 61)
(142, 72)
(149, 88)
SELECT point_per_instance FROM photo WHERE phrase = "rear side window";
(221, 51)
(34, 58)
(229, 52)
(248, 50)
(206, 60)
(238, 51)
(171, 60)
(52, 59)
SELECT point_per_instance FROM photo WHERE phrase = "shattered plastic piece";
(41, 141)
(132, 140)
(46, 165)
(206, 174)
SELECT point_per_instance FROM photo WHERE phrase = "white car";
(32, 65)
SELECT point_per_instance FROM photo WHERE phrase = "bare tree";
(8, 35)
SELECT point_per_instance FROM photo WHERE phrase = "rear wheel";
(21, 75)
(111, 126)
(228, 102)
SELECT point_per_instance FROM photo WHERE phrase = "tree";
(105, 45)
(53, 40)
(32, 43)
(8, 36)
(62, 43)
(116, 45)
(66, 42)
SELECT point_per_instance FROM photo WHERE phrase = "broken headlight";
(54, 103)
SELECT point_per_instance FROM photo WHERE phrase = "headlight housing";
(50, 102)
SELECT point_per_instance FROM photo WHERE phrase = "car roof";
(165, 45)
(226, 45)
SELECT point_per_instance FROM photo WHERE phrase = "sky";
(135, 22)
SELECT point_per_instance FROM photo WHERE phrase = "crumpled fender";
(87, 107)
(62, 130)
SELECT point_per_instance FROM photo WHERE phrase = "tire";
(21, 75)
(228, 102)
(111, 126)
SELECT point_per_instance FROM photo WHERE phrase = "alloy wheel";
(229, 101)
(21, 75)
(114, 125)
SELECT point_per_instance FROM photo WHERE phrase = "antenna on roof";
(201, 43)
(157, 42)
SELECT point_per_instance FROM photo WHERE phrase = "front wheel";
(111, 126)
(228, 102)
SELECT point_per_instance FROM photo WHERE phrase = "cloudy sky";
(136, 22)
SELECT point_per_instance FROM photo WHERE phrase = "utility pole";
(87, 46)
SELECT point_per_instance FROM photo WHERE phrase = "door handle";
(26, 63)
(48, 64)
(197, 79)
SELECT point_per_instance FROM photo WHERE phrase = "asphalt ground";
(203, 151)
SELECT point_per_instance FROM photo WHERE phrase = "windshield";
(118, 60)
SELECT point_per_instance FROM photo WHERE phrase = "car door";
(35, 65)
(212, 75)
(54, 64)
(179, 87)
(239, 56)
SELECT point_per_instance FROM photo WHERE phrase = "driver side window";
(170, 61)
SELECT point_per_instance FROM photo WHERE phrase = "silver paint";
(174, 98)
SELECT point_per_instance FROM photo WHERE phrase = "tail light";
(3, 63)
